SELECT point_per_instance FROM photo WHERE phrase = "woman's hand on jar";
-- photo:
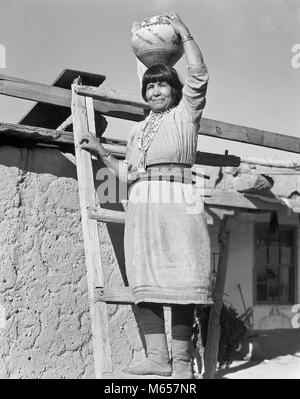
(135, 26)
(176, 22)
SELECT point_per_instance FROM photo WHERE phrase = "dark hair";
(163, 73)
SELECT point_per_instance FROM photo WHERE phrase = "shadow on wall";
(38, 160)
(110, 195)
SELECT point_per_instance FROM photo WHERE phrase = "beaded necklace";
(146, 135)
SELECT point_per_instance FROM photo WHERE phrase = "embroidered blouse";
(177, 136)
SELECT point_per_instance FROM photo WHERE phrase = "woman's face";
(159, 96)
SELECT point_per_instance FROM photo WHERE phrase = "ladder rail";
(83, 120)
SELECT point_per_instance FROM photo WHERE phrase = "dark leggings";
(152, 319)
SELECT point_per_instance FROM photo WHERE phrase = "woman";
(167, 248)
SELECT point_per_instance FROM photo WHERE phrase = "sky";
(247, 46)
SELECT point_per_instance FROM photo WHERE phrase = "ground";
(263, 354)
(281, 367)
(267, 354)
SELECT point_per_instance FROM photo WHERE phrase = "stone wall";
(45, 326)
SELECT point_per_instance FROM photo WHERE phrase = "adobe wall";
(45, 327)
(241, 262)
(240, 265)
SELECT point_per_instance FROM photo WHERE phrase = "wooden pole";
(67, 123)
(214, 328)
(273, 163)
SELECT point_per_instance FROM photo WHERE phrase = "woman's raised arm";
(192, 51)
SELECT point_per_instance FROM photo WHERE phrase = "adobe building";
(45, 328)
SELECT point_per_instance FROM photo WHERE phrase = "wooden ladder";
(83, 121)
(91, 212)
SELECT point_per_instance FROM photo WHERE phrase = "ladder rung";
(117, 295)
(107, 215)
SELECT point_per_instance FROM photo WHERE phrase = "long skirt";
(167, 244)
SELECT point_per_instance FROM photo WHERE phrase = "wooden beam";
(111, 216)
(233, 199)
(118, 295)
(66, 123)
(134, 110)
(210, 159)
(36, 92)
(10, 134)
(248, 135)
(214, 199)
(270, 172)
(112, 95)
(209, 127)
(51, 116)
(43, 93)
(214, 329)
(213, 211)
(64, 138)
(15, 79)
(107, 215)
(30, 135)
(202, 158)
(273, 163)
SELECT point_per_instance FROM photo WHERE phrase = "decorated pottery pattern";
(154, 41)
